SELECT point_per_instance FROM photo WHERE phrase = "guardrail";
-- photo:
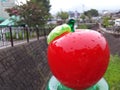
(12, 34)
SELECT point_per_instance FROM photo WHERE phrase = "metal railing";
(9, 35)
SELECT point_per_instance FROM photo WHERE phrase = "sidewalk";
(6, 44)
(109, 31)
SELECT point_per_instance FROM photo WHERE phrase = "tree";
(106, 22)
(46, 3)
(63, 15)
(92, 13)
(83, 17)
(34, 12)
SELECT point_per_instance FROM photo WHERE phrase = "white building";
(117, 22)
(6, 4)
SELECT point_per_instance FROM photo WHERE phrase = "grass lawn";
(112, 74)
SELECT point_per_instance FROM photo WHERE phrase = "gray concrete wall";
(114, 43)
(24, 67)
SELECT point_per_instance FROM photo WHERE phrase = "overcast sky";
(80, 5)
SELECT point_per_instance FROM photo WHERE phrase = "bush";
(106, 22)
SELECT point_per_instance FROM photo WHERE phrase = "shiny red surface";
(79, 59)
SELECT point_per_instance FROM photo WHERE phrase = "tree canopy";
(63, 15)
(34, 12)
(92, 13)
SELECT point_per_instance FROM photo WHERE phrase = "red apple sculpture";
(79, 59)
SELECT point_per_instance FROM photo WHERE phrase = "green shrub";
(7, 35)
(106, 22)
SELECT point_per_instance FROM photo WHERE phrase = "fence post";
(27, 34)
(11, 37)
(44, 29)
(37, 32)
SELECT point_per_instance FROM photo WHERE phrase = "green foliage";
(112, 74)
(34, 12)
(7, 34)
(12, 11)
(45, 3)
(84, 26)
(63, 15)
(106, 21)
(83, 17)
(20, 35)
(92, 13)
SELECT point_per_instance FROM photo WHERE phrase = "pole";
(37, 32)
(27, 34)
(11, 38)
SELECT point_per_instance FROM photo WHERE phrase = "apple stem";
(71, 23)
